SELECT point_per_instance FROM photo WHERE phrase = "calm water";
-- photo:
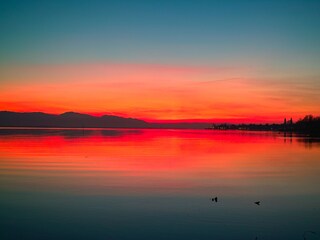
(157, 184)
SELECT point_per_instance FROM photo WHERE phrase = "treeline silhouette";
(309, 125)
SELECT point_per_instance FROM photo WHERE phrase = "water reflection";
(71, 132)
(157, 184)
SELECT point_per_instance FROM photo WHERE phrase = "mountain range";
(79, 120)
(67, 119)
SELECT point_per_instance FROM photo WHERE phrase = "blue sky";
(268, 51)
(191, 32)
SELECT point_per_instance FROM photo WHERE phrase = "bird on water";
(215, 199)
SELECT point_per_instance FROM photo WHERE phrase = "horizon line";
(231, 120)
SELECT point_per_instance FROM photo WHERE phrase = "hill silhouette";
(67, 119)
(79, 120)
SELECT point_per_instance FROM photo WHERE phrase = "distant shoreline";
(308, 125)
(71, 120)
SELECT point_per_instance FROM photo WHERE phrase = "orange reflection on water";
(140, 159)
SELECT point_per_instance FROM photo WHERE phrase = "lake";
(158, 184)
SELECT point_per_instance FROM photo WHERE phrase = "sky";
(250, 61)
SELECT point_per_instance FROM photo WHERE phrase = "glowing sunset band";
(155, 92)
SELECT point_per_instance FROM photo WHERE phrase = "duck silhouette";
(258, 203)
(215, 199)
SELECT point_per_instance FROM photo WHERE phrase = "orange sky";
(157, 92)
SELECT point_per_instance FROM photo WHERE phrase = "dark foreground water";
(158, 184)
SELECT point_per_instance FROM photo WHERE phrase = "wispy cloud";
(156, 91)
